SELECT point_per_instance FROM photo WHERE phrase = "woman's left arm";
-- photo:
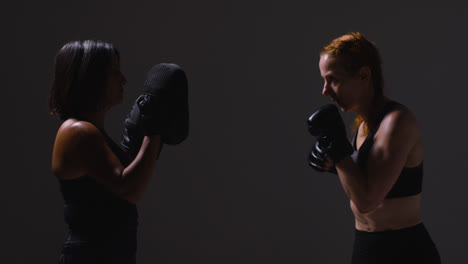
(397, 135)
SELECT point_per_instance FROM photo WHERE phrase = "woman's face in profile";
(115, 82)
(343, 88)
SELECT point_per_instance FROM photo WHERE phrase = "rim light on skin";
(349, 91)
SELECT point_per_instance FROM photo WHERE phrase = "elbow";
(364, 209)
(131, 197)
(361, 203)
(128, 191)
(367, 200)
(366, 205)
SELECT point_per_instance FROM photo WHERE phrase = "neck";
(96, 118)
(370, 109)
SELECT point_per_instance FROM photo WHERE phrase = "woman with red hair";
(382, 170)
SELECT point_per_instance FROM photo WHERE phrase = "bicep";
(393, 143)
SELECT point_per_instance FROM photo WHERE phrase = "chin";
(345, 109)
(342, 108)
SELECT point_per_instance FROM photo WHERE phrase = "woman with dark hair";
(99, 182)
(382, 170)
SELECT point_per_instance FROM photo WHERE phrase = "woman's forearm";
(355, 184)
(136, 176)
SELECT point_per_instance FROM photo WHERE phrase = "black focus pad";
(161, 109)
(167, 84)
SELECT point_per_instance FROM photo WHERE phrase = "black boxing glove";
(133, 134)
(161, 109)
(327, 124)
(318, 157)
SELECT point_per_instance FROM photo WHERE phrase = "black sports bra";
(410, 180)
(96, 215)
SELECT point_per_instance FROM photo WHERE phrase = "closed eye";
(332, 80)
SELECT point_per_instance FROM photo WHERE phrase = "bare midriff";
(391, 214)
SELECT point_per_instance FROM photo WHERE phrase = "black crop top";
(410, 180)
(96, 215)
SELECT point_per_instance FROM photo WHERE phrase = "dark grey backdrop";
(239, 189)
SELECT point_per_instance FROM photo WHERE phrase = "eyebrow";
(333, 74)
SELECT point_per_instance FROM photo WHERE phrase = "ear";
(365, 73)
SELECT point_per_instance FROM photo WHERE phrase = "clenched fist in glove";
(327, 125)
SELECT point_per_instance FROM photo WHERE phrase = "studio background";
(239, 189)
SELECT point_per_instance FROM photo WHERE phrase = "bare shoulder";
(79, 138)
(400, 119)
(74, 141)
(400, 126)
(77, 129)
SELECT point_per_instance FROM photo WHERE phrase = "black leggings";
(407, 245)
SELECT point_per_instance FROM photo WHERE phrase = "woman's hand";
(319, 160)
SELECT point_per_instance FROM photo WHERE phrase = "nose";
(325, 88)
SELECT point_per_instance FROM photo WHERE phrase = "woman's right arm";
(81, 149)
(368, 187)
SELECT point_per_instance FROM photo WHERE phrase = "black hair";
(81, 72)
